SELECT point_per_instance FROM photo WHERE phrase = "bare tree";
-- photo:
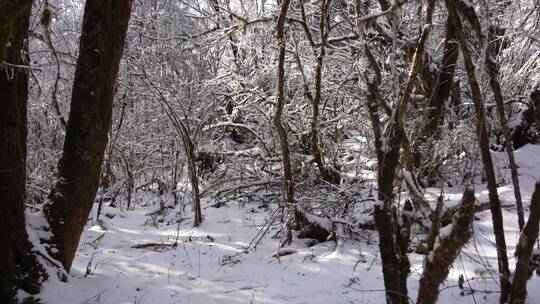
(328, 173)
(388, 146)
(485, 153)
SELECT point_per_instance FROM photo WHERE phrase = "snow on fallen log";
(313, 226)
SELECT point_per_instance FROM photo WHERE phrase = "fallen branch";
(313, 226)
(233, 189)
(162, 245)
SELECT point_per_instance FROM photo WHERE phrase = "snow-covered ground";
(208, 264)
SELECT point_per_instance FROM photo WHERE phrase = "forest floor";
(124, 258)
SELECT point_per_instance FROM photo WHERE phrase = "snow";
(215, 264)
(385, 146)
(431, 256)
(322, 222)
(445, 231)
(205, 272)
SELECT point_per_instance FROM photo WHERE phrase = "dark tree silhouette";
(18, 265)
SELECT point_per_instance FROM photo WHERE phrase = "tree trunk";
(437, 102)
(385, 218)
(391, 245)
(189, 147)
(384, 214)
(327, 173)
(101, 46)
(288, 184)
(18, 265)
(524, 249)
(444, 250)
(481, 130)
(493, 72)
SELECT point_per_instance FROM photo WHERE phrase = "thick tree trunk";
(385, 215)
(524, 249)
(18, 265)
(485, 153)
(101, 46)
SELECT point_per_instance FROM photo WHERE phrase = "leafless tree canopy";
(337, 117)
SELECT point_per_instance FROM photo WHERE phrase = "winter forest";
(269, 151)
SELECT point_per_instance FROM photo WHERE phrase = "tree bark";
(18, 265)
(385, 217)
(444, 250)
(437, 102)
(493, 72)
(288, 183)
(101, 46)
(327, 173)
(394, 258)
(189, 147)
(481, 131)
(524, 249)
